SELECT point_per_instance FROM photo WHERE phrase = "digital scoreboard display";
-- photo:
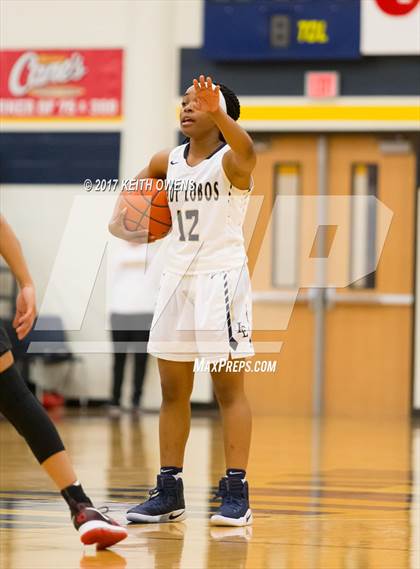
(281, 29)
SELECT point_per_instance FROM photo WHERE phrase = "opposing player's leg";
(166, 501)
(29, 418)
(237, 425)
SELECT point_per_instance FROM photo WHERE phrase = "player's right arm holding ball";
(156, 168)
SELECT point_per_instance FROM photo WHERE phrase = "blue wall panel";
(58, 157)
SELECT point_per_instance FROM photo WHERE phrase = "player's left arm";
(240, 160)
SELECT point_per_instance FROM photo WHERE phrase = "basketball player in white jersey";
(204, 302)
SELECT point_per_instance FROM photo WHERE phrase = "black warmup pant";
(5, 345)
(24, 411)
(130, 334)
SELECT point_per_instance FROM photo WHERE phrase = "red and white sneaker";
(95, 527)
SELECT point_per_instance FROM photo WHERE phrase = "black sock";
(236, 473)
(75, 495)
(174, 470)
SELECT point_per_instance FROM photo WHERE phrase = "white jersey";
(207, 215)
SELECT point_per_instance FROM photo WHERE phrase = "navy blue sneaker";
(222, 489)
(234, 509)
(165, 504)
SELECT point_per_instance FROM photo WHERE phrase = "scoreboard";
(281, 29)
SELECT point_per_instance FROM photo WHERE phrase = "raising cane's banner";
(390, 27)
(61, 84)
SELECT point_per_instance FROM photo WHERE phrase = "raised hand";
(206, 95)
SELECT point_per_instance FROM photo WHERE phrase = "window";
(286, 222)
(363, 224)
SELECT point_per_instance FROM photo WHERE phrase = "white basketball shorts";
(206, 316)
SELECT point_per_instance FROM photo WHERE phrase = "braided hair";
(233, 107)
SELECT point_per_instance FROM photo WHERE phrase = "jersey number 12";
(189, 214)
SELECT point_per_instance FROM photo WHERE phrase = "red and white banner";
(390, 27)
(61, 84)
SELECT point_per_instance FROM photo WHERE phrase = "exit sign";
(322, 84)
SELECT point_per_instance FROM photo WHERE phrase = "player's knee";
(174, 392)
(6, 361)
(225, 395)
(28, 417)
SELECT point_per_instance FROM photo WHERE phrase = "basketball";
(147, 208)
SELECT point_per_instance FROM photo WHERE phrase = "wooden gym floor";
(330, 495)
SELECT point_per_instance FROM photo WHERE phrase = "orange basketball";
(147, 207)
